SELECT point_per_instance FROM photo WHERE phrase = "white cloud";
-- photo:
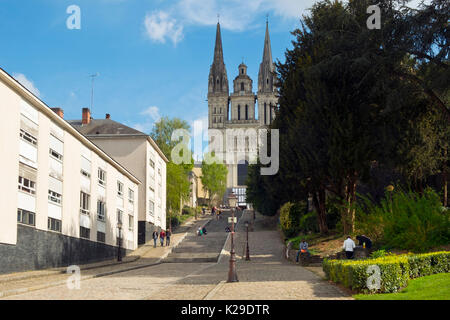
(151, 115)
(27, 83)
(159, 27)
(153, 112)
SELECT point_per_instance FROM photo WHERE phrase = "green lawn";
(434, 287)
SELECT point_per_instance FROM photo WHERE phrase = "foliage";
(162, 133)
(259, 191)
(214, 178)
(290, 216)
(395, 271)
(380, 254)
(406, 220)
(434, 287)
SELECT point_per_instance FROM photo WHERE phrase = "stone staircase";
(205, 248)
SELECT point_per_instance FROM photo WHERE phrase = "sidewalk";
(144, 256)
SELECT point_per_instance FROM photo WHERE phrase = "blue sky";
(152, 56)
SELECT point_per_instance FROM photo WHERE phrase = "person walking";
(303, 249)
(168, 235)
(155, 238)
(162, 235)
(348, 246)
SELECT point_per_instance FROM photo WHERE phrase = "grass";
(434, 287)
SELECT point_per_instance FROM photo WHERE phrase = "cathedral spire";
(266, 69)
(218, 81)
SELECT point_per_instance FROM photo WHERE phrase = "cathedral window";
(242, 71)
(265, 113)
(242, 86)
(246, 112)
(239, 112)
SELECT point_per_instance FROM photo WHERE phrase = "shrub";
(395, 271)
(406, 220)
(309, 222)
(290, 215)
(188, 211)
(380, 253)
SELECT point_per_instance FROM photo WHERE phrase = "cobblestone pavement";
(268, 276)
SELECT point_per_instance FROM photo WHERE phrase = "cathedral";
(237, 110)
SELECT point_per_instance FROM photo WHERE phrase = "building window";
(85, 173)
(26, 217)
(130, 222)
(101, 210)
(101, 237)
(85, 200)
(242, 71)
(159, 171)
(120, 189)
(101, 177)
(85, 233)
(54, 197)
(130, 196)
(239, 112)
(246, 112)
(151, 208)
(54, 224)
(55, 155)
(242, 86)
(119, 216)
(265, 113)
(27, 186)
(27, 137)
(152, 163)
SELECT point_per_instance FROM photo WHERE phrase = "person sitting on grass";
(303, 249)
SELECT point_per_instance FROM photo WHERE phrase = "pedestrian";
(168, 234)
(213, 210)
(203, 210)
(162, 235)
(155, 238)
(348, 246)
(303, 249)
(199, 231)
(364, 241)
(204, 231)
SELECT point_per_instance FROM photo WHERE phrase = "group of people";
(202, 231)
(161, 235)
(348, 246)
(216, 211)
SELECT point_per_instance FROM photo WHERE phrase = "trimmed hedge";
(395, 271)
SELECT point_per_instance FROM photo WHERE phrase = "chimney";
(59, 112)
(108, 116)
(86, 116)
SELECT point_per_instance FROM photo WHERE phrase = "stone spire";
(218, 81)
(266, 68)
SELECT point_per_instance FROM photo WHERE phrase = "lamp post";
(119, 251)
(247, 254)
(232, 276)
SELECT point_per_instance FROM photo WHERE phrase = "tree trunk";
(445, 182)
(320, 199)
(350, 197)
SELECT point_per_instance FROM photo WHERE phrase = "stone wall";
(37, 249)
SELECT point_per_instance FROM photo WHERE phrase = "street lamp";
(247, 254)
(119, 251)
(232, 276)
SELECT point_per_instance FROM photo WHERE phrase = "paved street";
(266, 276)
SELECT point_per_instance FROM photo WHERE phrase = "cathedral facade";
(233, 122)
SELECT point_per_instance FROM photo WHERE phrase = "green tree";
(214, 178)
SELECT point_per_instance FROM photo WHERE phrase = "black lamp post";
(119, 250)
(232, 276)
(247, 254)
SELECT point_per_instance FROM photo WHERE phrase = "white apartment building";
(62, 197)
(137, 152)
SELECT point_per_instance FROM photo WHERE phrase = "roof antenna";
(92, 89)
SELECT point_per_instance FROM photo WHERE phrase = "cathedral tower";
(218, 87)
(267, 99)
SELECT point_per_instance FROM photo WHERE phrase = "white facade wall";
(59, 175)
